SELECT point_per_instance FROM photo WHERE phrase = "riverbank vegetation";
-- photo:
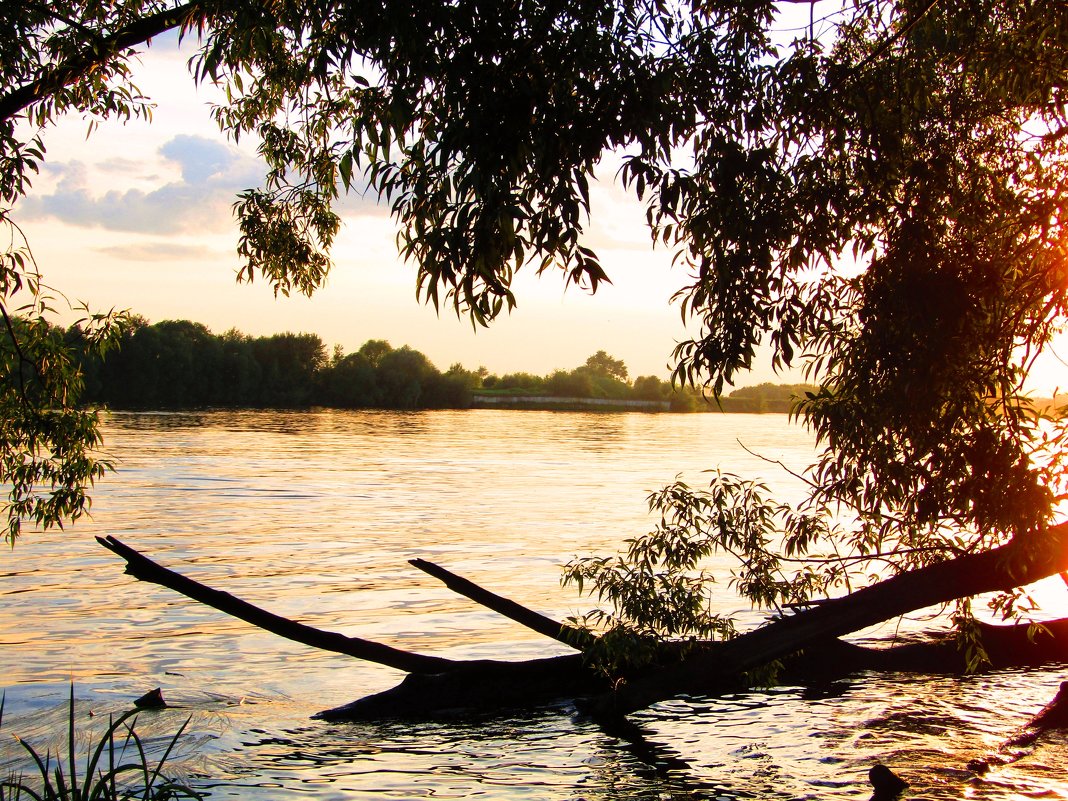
(177, 364)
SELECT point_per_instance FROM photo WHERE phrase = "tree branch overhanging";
(73, 69)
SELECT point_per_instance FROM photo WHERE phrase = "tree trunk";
(709, 671)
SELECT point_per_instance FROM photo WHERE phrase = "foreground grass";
(115, 768)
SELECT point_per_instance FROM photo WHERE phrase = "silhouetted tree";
(288, 364)
(374, 350)
(351, 383)
(403, 375)
(602, 364)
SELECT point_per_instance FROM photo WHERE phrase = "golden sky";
(138, 216)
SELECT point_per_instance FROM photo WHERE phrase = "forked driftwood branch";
(809, 638)
(434, 685)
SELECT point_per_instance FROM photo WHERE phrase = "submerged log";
(709, 672)
(482, 685)
(436, 685)
(1006, 646)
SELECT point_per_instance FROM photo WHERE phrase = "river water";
(314, 515)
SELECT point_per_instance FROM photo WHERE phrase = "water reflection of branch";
(661, 758)
(522, 752)
(674, 774)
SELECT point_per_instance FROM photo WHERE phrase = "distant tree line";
(766, 397)
(182, 364)
(603, 376)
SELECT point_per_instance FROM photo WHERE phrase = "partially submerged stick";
(568, 635)
(1053, 715)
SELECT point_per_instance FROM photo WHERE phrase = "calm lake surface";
(314, 515)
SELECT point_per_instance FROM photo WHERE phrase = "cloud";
(202, 160)
(121, 166)
(212, 173)
(158, 251)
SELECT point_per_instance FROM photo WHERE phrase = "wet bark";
(439, 686)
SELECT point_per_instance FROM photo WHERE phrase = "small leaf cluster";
(660, 589)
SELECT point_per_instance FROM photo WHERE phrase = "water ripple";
(313, 515)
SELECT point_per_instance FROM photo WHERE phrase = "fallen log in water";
(436, 685)
(1004, 568)
(1006, 646)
